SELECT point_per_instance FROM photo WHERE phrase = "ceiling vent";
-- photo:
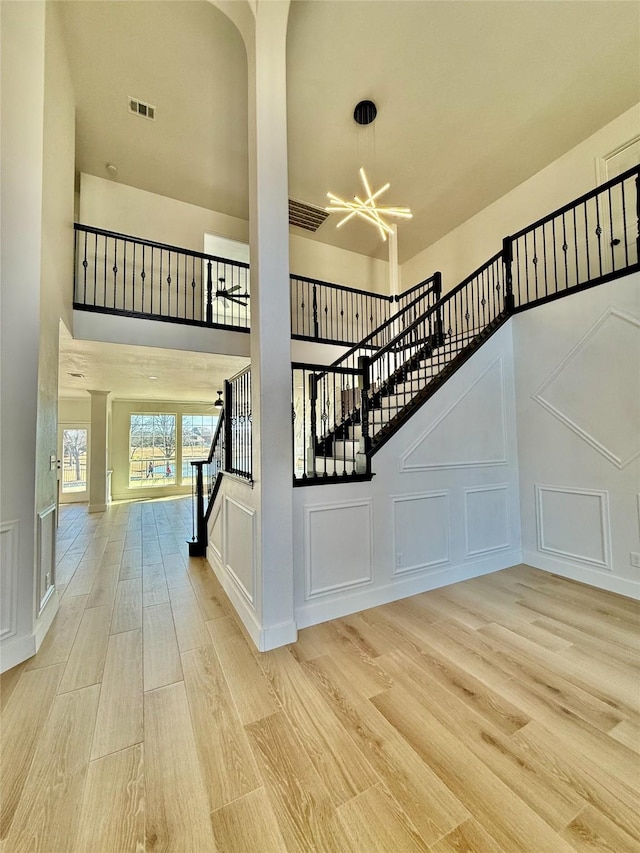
(139, 108)
(306, 216)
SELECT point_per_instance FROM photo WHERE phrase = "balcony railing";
(124, 275)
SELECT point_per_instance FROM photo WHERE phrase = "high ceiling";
(473, 97)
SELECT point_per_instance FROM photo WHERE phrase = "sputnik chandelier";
(367, 209)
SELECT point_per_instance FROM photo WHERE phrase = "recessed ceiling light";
(152, 377)
(77, 375)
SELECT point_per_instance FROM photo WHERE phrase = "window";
(152, 450)
(74, 460)
(197, 435)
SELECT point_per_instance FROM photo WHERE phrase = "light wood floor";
(499, 714)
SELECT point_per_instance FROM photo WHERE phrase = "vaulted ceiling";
(473, 97)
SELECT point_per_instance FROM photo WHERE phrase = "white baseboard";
(265, 639)
(46, 617)
(15, 651)
(97, 508)
(362, 599)
(592, 577)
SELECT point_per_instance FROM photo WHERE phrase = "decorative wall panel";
(486, 519)
(240, 545)
(421, 531)
(574, 524)
(471, 432)
(46, 564)
(590, 393)
(338, 547)
(8, 578)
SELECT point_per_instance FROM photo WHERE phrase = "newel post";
(228, 432)
(209, 310)
(364, 384)
(507, 260)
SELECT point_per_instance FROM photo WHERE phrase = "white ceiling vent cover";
(305, 215)
(139, 108)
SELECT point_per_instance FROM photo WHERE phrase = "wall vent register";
(139, 108)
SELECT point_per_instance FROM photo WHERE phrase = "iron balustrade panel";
(407, 364)
(327, 430)
(119, 274)
(589, 239)
(322, 311)
(239, 425)
(416, 303)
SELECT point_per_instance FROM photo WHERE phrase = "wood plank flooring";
(499, 714)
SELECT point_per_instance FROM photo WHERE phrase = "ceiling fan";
(230, 293)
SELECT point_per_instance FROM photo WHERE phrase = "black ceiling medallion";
(365, 112)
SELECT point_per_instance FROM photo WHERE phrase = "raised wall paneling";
(574, 524)
(216, 528)
(46, 565)
(239, 546)
(472, 432)
(9, 537)
(338, 547)
(603, 366)
(421, 531)
(486, 519)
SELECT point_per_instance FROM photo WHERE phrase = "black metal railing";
(587, 242)
(337, 314)
(119, 274)
(230, 453)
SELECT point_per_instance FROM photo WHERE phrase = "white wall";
(117, 207)
(22, 28)
(465, 248)
(578, 403)
(443, 504)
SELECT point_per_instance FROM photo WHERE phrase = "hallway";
(499, 714)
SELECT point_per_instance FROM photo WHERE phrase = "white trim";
(396, 499)
(601, 162)
(365, 539)
(581, 433)
(322, 611)
(217, 514)
(225, 519)
(605, 527)
(405, 467)
(16, 651)
(46, 563)
(498, 487)
(9, 570)
(583, 574)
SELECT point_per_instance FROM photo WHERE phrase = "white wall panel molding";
(216, 531)
(338, 546)
(584, 574)
(421, 531)
(585, 390)
(322, 609)
(239, 546)
(573, 524)
(471, 433)
(46, 559)
(486, 519)
(9, 544)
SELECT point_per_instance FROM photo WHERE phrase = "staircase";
(344, 413)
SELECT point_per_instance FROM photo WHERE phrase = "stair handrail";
(435, 308)
(436, 287)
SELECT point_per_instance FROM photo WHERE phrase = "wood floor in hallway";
(499, 714)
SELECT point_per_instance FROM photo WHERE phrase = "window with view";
(197, 435)
(152, 450)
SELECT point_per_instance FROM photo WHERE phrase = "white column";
(98, 483)
(271, 323)
(394, 269)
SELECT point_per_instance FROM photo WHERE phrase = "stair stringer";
(408, 530)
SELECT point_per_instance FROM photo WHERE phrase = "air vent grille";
(139, 108)
(306, 216)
